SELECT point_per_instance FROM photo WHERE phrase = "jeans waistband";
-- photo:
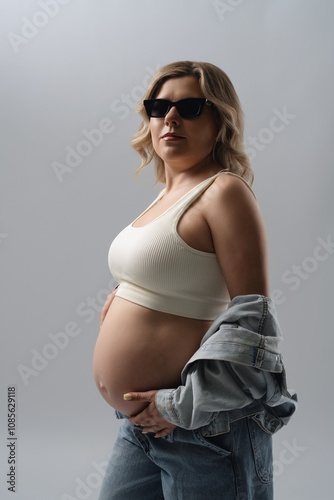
(220, 423)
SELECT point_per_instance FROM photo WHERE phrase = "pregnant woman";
(197, 250)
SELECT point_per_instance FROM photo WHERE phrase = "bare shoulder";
(230, 181)
(230, 193)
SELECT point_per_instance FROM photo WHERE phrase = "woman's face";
(195, 136)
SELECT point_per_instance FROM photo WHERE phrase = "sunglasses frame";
(149, 103)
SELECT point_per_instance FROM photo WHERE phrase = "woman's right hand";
(107, 304)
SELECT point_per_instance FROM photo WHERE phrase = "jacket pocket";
(261, 443)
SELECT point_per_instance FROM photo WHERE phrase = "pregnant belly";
(139, 350)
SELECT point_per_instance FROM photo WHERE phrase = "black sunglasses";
(187, 108)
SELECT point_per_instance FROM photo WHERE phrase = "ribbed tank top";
(157, 269)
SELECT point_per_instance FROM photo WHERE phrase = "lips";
(172, 137)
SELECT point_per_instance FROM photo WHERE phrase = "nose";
(172, 116)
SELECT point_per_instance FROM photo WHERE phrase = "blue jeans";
(236, 465)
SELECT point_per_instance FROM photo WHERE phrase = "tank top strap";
(183, 203)
(196, 191)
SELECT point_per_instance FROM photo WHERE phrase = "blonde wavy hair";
(228, 150)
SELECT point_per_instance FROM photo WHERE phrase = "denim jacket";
(237, 371)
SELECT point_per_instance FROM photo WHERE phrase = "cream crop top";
(156, 269)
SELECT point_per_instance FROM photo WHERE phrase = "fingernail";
(127, 397)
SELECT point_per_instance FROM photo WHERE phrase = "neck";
(178, 177)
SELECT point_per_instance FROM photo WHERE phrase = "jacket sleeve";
(237, 363)
(212, 386)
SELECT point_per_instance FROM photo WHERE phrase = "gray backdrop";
(72, 73)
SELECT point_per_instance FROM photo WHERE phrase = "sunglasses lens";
(157, 108)
(188, 108)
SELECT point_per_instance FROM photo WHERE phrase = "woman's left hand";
(149, 419)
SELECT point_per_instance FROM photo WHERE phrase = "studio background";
(70, 68)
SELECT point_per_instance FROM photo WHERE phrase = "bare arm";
(238, 234)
